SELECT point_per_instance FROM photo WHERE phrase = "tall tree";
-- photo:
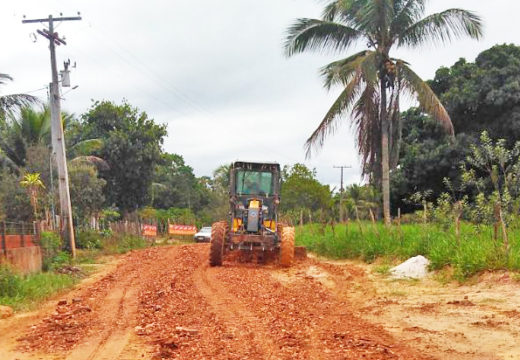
(175, 185)
(301, 190)
(131, 147)
(374, 81)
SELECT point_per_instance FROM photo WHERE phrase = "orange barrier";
(149, 230)
(182, 229)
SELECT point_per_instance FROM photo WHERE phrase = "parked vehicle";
(204, 235)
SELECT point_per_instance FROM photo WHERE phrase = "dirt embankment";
(166, 303)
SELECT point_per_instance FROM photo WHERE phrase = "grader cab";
(253, 226)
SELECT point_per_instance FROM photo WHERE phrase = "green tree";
(484, 95)
(361, 201)
(373, 81)
(86, 191)
(302, 191)
(132, 149)
(480, 95)
(175, 185)
(15, 205)
(427, 156)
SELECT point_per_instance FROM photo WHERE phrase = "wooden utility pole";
(341, 189)
(58, 140)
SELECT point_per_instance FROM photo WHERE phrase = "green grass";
(23, 292)
(475, 251)
(111, 245)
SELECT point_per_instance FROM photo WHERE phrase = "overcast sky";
(213, 71)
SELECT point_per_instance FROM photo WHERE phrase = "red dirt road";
(166, 303)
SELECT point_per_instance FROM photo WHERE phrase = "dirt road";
(166, 303)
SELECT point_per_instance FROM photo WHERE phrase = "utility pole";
(58, 140)
(341, 189)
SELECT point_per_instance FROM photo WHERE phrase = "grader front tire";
(218, 236)
(287, 246)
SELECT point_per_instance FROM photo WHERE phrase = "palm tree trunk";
(385, 183)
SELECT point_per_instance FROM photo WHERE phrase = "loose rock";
(5, 311)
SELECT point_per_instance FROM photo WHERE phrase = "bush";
(88, 239)
(51, 248)
(9, 282)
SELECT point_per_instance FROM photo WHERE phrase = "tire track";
(233, 312)
(116, 328)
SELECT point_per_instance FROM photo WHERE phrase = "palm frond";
(345, 11)
(407, 13)
(442, 27)
(13, 102)
(428, 101)
(4, 77)
(395, 123)
(340, 72)
(319, 35)
(367, 127)
(329, 123)
(375, 18)
(6, 161)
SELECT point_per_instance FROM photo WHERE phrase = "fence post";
(22, 241)
(4, 243)
(37, 232)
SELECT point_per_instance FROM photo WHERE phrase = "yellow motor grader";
(253, 226)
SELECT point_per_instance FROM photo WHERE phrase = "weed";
(381, 269)
(21, 291)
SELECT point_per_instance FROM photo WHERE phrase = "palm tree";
(13, 102)
(373, 81)
(33, 183)
(31, 127)
(28, 128)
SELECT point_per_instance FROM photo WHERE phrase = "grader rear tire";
(218, 236)
(287, 246)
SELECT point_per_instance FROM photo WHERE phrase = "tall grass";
(473, 252)
(24, 291)
(20, 292)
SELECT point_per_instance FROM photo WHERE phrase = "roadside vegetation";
(60, 273)
(22, 292)
(472, 252)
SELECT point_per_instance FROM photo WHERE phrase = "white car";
(204, 235)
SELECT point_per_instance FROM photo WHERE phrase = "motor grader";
(253, 226)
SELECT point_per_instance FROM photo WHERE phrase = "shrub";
(51, 247)
(9, 282)
(88, 239)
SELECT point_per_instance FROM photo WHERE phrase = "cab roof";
(248, 165)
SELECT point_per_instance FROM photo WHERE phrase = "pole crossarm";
(70, 18)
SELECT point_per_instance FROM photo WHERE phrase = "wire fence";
(17, 235)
